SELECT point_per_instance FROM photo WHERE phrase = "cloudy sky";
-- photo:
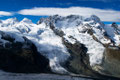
(107, 10)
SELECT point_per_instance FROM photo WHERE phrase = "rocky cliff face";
(64, 45)
(21, 57)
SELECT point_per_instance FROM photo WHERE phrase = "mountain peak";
(9, 22)
(95, 18)
(26, 20)
(12, 19)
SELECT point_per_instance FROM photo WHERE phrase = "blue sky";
(107, 10)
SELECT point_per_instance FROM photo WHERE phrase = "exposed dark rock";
(111, 62)
(90, 31)
(16, 57)
(6, 37)
(79, 61)
(114, 25)
(41, 20)
(57, 31)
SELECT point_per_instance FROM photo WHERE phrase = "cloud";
(105, 15)
(4, 13)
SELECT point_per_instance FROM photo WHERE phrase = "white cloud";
(105, 15)
(4, 13)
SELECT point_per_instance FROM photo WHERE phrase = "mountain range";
(73, 45)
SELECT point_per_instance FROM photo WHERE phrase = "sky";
(107, 10)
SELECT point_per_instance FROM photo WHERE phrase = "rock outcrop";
(21, 57)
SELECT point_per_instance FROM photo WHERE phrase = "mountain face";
(71, 44)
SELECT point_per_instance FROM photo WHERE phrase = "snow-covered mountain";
(9, 22)
(56, 38)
